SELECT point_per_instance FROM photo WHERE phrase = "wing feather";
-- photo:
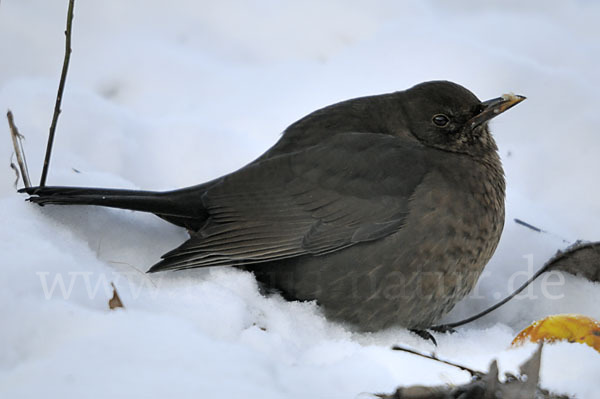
(351, 188)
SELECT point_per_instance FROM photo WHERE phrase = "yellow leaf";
(562, 327)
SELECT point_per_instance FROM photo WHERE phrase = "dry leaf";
(580, 259)
(115, 301)
(564, 327)
(486, 386)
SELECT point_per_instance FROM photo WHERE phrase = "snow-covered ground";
(163, 95)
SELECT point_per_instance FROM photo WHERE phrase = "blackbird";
(384, 209)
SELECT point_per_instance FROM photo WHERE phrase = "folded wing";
(351, 188)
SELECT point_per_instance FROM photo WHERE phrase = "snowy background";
(162, 95)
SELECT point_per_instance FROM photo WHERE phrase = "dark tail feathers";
(181, 207)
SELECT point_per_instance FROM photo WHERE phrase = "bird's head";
(449, 117)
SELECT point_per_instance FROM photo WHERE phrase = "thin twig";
(16, 170)
(529, 226)
(542, 270)
(538, 230)
(18, 146)
(59, 95)
(141, 273)
(449, 326)
(474, 373)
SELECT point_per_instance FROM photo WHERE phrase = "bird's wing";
(351, 188)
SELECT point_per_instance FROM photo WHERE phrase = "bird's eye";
(440, 120)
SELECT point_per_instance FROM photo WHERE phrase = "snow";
(163, 95)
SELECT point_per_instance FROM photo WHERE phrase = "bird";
(383, 209)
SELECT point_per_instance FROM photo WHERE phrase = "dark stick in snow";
(474, 373)
(59, 95)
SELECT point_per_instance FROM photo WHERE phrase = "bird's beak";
(494, 107)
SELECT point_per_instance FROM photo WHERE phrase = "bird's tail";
(146, 201)
(181, 207)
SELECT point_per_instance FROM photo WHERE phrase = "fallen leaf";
(115, 301)
(563, 327)
(485, 385)
(580, 259)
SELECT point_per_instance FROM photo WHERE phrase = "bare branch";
(59, 95)
(474, 373)
(18, 146)
(450, 326)
(578, 259)
(538, 230)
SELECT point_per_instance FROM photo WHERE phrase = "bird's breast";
(452, 230)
